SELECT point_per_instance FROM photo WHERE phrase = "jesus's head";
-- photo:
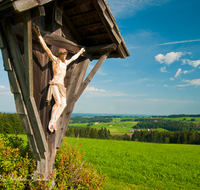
(62, 54)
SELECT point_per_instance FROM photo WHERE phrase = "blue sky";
(162, 74)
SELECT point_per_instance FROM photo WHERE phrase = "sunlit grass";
(136, 165)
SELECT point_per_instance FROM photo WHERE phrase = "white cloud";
(163, 69)
(172, 79)
(170, 100)
(165, 85)
(192, 63)
(2, 87)
(195, 82)
(182, 85)
(91, 89)
(130, 7)
(179, 42)
(169, 57)
(178, 73)
(150, 84)
(186, 71)
(92, 92)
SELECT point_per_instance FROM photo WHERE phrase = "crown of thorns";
(62, 51)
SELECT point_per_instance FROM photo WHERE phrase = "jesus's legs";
(57, 108)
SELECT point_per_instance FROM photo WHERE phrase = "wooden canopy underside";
(90, 21)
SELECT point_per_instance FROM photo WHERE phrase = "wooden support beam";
(91, 75)
(29, 102)
(20, 106)
(35, 13)
(27, 24)
(73, 30)
(101, 48)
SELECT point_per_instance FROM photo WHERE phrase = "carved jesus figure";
(57, 88)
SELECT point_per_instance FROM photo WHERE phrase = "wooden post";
(29, 102)
(28, 52)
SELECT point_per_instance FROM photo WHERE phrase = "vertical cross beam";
(28, 52)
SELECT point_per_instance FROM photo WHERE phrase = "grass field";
(135, 165)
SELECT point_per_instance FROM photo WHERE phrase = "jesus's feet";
(51, 128)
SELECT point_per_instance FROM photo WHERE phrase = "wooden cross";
(29, 68)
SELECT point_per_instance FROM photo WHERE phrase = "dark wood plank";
(85, 15)
(90, 27)
(27, 24)
(21, 5)
(35, 13)
(19, 102)
(91, 75)
(104, 35)
(101, 48)
(42, 2)
(73, 30)
(29, 102)
(4, 2)
(64, 2)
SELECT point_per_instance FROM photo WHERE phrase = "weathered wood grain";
(20, 106)
(27, 24)
(35, 13)
(18, 65)
(90, 27)
(101, 48)
(70, 25)
(76, 80)
(21, 5)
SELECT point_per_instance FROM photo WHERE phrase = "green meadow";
(135, 165)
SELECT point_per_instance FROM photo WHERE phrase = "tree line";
(177, 115)
(88, 132)
(178, 137)
(10, 123)
(168, 125)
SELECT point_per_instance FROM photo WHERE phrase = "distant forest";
(10, 123)
(178, 137)
(168, 125)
